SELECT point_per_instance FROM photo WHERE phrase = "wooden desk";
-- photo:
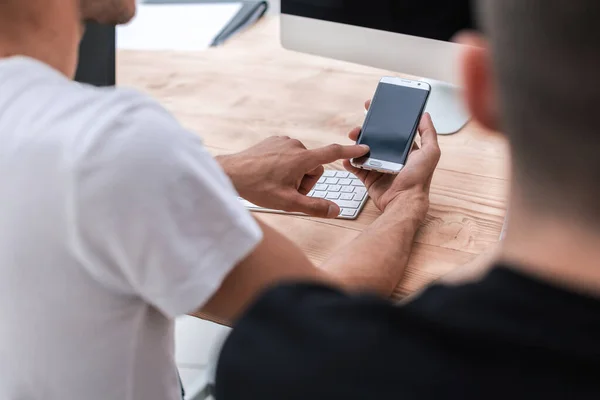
(251, 89)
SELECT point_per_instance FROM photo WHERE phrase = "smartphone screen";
(392, 121)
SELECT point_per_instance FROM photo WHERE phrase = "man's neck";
(51, 36)
(561, 251)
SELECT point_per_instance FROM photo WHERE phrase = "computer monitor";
(406, 36)
(97, 57)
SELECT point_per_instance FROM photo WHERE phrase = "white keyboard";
(340, 187)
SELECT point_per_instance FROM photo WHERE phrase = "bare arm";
(374, 261)
(356, 267)
(378, 257)
(275, 260)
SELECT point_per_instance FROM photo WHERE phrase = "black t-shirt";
(506, 337)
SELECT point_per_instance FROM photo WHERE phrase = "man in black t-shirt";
(526, 325)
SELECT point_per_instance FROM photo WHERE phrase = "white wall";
(275, 6)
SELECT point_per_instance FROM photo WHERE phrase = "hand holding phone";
(409, 188)
(391, 124)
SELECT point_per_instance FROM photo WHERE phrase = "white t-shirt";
(113, 221)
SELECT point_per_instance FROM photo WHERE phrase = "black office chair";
(97, 56)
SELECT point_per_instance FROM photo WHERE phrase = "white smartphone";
(391, 124)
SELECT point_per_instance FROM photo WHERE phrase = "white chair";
(197, 346)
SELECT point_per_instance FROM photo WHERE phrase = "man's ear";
(480, 93)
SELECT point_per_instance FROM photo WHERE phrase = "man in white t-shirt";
(114, 219)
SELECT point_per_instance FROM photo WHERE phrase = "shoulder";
(114, 110)
(55, 112)
(34, 88)
(125, 128)
(82, 127)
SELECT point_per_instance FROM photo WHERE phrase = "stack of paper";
(180, 27)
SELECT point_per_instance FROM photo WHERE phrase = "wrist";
(223, 161)
(228, 165)
(408, 207)
(384, 247)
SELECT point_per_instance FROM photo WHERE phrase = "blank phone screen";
(392, 122)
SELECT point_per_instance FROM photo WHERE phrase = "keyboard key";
(329, 173)
(347, 212)
(333, 195)
(319, 194)
(347, 189)
(345, 181)
(342, 174)
(332, 181)
(357, 182)
(359, 193)
(347, 196)
(335, 188)
(359, 196)
(321, 186)
(321, 180)
(310, 193)
(347, 203)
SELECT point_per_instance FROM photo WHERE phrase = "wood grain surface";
(235, 96)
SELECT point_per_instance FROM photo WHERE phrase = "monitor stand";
(447, 107)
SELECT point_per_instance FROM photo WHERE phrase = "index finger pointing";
(334, 152)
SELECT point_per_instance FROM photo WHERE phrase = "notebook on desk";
(248, 13)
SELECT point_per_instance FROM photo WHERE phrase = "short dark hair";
(546, 61)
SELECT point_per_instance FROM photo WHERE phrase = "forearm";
(239, 172)
(376, 259)
(372, 262)
(274, 261)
